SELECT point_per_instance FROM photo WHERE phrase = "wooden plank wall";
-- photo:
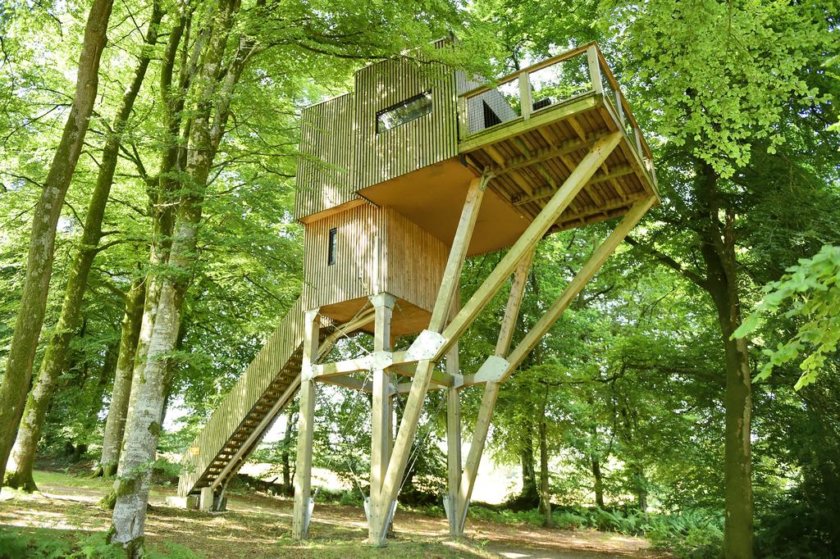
(251, 385)
(325, 166)
(377, 249)
(355, 273)
(429, 139)
(414, 261)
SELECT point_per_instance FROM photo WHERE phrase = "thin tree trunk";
(115, 423)
(55, 360)
(545, 489)
(30, 317)
(285, 455)
(147, 396)
(529, 497)
(599, 480)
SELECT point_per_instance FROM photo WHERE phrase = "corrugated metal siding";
(325, 166)
(426, 140)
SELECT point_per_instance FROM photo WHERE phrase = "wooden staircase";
(238, 424)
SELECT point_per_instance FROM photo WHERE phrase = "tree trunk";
(115, 424)
(720, 259)
(529, 498)
(545, 489)
(33, 301)
(285, 455)
(599, 480)
(216, 84)
(55, 360)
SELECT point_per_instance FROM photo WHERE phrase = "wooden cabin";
(385, 169)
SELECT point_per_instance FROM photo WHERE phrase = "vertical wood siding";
(355, 272)
(325, 166)
(376, 250)
(426, 140)
(414, 261)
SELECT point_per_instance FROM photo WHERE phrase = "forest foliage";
(630, 404)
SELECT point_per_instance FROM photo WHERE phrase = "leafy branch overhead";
(809, 294)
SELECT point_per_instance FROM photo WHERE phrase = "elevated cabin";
(385, 169)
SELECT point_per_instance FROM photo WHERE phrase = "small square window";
(331, 247)
(404, 112)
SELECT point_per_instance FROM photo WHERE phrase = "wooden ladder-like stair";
(238, 424)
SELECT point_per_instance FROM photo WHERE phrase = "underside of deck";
(528, 160)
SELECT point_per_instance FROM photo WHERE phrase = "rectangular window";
(403, 112)
(331, 247)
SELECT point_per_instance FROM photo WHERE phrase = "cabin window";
(331, 247)
(404, 112)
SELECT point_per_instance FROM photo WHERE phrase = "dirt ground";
(259, 526)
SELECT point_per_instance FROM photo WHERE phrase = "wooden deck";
(544, 120)
(529, 156)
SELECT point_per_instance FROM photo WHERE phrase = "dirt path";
(259, 526)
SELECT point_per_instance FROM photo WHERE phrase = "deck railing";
(556, 81)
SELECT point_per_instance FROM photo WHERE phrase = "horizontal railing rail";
(552, 82)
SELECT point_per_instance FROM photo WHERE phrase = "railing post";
(594, 69)
(525, 103)
(463, 118)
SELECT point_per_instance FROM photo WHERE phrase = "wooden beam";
(598, 153)
(420, 383)
(517, 126)
(349, 382)
(453, 433)
(544, 154)
(381, 409)
(322, 370)
(620, 171)
(491, 393)
(577, 284)
(306, 427)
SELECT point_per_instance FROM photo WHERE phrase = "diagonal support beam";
(420, 383)
(577, 284)
(491, 393)
(491, 388)
(526, 242)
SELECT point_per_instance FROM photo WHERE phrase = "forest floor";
(258, 526)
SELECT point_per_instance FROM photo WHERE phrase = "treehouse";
(399, 181)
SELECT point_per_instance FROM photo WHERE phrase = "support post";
(594, 68)
(453, 435)
(306, 425)
(491, 393)
(382, 410)
(420, 383)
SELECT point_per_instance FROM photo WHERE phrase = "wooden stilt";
(577, 284)
(491, 393)
(381, 412)
(420, 383)
(491, 389)
(306, 425)
(453, 434)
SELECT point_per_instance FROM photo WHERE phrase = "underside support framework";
(448, 322)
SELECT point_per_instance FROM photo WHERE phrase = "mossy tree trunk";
(115, 423)
(55, 360)
(30, 317)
